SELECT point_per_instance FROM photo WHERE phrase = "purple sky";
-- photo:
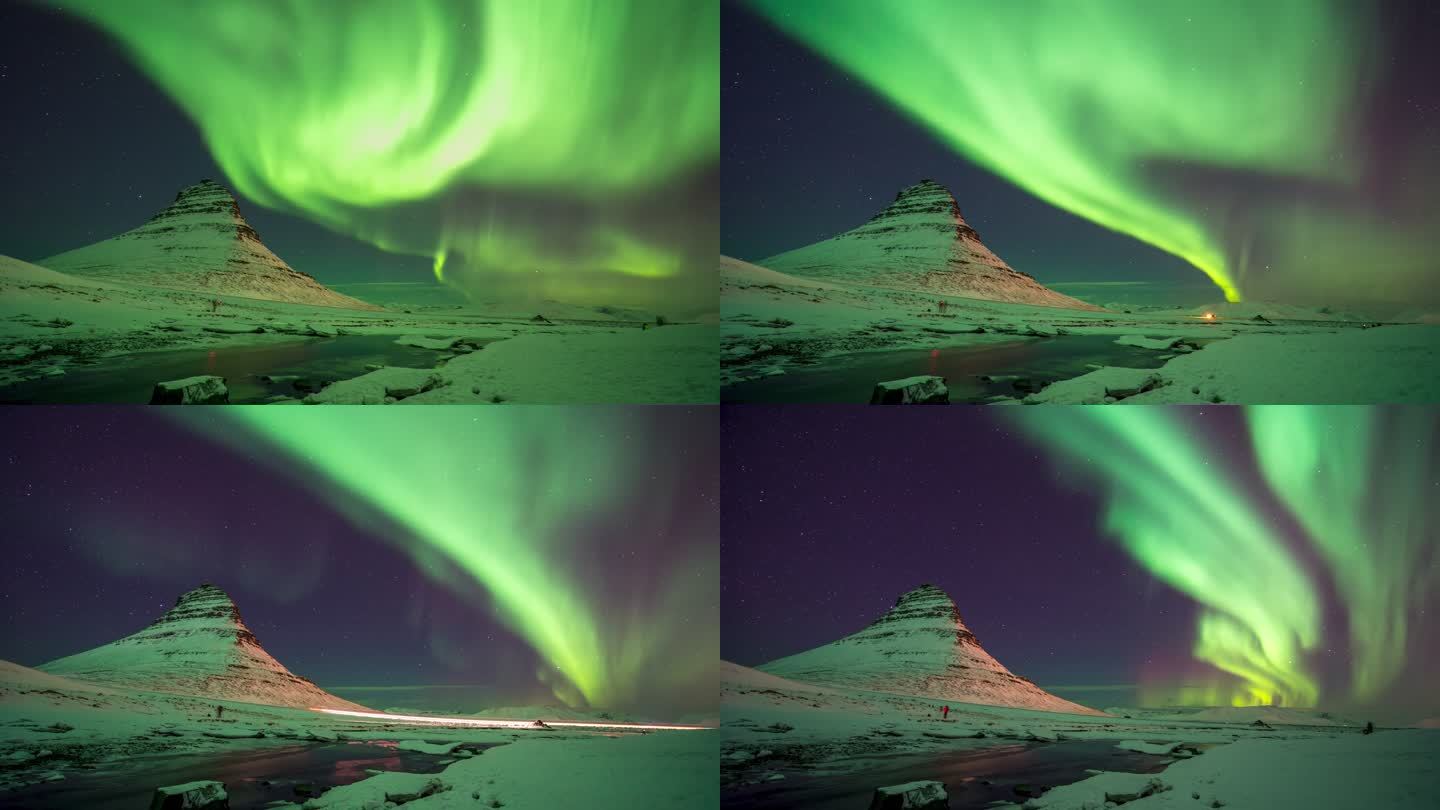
(111, 513)
(833, 512)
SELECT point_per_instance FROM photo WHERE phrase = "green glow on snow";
(337, 109)
(501, 497)
(1352, 478)
(1079, 102)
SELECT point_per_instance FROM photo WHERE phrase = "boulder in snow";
(201, 795)
(321, 330)
(206, 389)
(921, 795)
(911, 390)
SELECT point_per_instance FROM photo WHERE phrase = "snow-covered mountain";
(920, 647)
(200, 647)
(200, 242)
(919, 242)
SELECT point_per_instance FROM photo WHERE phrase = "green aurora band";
(1356, 497)
(1348, 476)
(343, 111)
(500, 499)
(1081, 101)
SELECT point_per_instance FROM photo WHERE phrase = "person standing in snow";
(219, 712)
(944, 712)
(215, 305)
(1369, 728)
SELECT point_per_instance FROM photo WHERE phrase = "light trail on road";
(498, 723)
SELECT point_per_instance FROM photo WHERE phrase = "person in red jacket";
(944, 712)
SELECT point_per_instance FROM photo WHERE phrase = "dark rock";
(925, 794)
(201, 795)
(911, 391)
(206, 389)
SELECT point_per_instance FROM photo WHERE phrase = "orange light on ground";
(1209, 316)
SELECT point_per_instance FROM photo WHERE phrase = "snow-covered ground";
(51, 726)
(773, 727)
(52, 322)
(774, 323)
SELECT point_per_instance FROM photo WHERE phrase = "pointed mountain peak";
(200, 242)
(199, 647)
(927, 203)
(919, 647)
(919, 243)
(207, 602)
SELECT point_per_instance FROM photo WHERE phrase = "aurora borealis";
(1197, 521)
(1281, 149)
(1181, 555)
(544, 554)
(495, 500)
(563, 148)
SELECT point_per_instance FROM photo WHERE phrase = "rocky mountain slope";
(921, 243)
(201, 243)
(200, 647)
(920, 647)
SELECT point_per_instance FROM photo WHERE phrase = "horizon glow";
(1102, 111)
(460, 130)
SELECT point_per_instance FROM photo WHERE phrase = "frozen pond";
(130, 378)
(253, 776)
(851, 378)
(974, 777)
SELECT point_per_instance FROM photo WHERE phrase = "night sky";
(112, 513)
(867, 506)
(812, 150)
(832, 513)
(353, 142)
(95, 149)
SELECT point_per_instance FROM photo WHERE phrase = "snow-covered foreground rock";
(775, 323)
(920, 647)
(669, 770)
(54, 323)
(1383, 364)
(663, 365)
(1396, 768)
